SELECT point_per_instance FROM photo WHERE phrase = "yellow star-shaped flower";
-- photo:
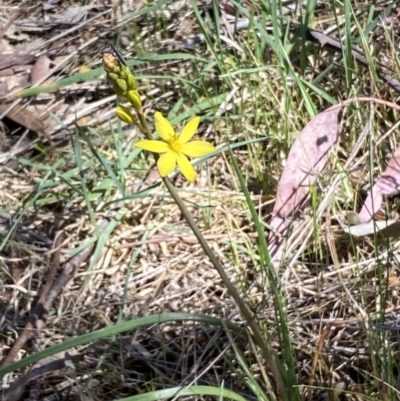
(175, 148)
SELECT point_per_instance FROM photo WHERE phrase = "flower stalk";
(111, 66)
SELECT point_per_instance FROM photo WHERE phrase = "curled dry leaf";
(307, 158)
(387, 184)
(385, 229)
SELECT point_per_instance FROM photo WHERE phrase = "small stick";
(9, 23)
(39, 310)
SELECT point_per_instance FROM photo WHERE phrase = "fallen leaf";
(9, 60)
(386, 229)
(387, 184)
(307, 158)
(41, 69)
(50, 4)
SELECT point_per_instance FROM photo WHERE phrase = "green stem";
(268, 353)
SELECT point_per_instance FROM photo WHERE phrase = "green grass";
(253, 99)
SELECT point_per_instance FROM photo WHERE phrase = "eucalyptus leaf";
(385, 229)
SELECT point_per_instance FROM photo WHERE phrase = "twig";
(39, 312)
(335, 44)
(187, 239)
(9, 23)
(55, 362)
(49, 293)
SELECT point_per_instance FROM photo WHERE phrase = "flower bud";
(112, 76)
(134, 99)
(121, 83)
(122, 78)
(123, 75)
(119, 92)
(131, 81)
(125, 115)
(110, 62)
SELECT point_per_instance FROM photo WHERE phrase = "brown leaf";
(307, 158)
(25, 117)
(41, 68)
(10, 60)
(387, 184)
(30, 117)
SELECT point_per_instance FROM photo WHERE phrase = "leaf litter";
(307, 159)
(171, 272)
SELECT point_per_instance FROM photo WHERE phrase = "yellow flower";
(175, 148)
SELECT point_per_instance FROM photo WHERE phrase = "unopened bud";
(131, 81)
(123, 74)
(134, 99)
(118, 91)
(110, 62)
(125, 115)
(121, 83)
(112, 76)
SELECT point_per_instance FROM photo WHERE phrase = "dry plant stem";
(188, 239)
(365, 99)
(9, 23)
(51, 364)
(268, 353)
(39, 313)
(70, 268)
(336, 45)
(50, 292)
(316, 358)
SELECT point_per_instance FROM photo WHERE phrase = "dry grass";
(144, 259)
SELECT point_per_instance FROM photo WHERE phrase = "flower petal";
(166, 163)
(153, 146)
(197, 148)
(189, 130)
(186, 167)
(163, 127)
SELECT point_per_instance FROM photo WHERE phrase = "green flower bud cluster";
(124, 82)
